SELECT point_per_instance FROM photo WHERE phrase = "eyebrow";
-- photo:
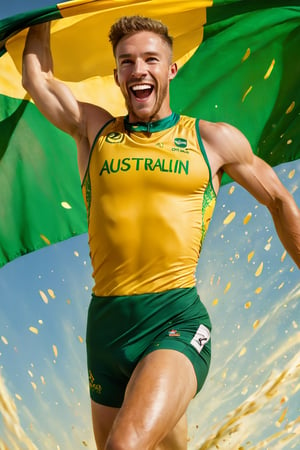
(129, 55)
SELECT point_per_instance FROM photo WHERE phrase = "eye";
(125, 62)
(152, 59)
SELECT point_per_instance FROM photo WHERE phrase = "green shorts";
(122, 330)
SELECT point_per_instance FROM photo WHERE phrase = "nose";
(139, 68)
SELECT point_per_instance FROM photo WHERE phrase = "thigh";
(156, 398)
(103, 418)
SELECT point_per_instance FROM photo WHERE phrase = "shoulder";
(225, 141)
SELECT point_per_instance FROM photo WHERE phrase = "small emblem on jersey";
(180, 142)
(201, 337)
(173, 333)
(114, 137)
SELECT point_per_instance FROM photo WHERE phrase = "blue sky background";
(250, 287)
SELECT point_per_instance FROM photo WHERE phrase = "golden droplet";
(43, 297)
(258, 290)
(282, 417)
(33, 385)
(246, 55)
(18, 397)
(51, 293)
(76, 253)
(250, 256)
(243, 352)
(228, 286)
(247, 218)
(231, 190)
(43, 379)
(246, 93)
(259, 269)
(270, 69)
(255, 324)
(215, 301)
(291, 174)
(281, 285)
(80, 339)
(248, 305)
(45, 239)
(4, 340)
(34, 330)
(54, 348)
(66, 205)
(229, 218)
(283, 256)
(290, 108)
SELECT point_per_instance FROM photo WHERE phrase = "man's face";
(143, 73)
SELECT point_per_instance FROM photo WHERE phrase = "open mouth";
(142, 91)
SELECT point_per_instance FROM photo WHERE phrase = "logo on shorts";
(173, 333)
(201, 337)
(93, 386)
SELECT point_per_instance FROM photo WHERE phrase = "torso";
(150, 198)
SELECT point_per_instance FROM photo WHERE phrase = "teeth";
(141, 87)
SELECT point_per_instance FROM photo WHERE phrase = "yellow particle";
(30, 373)
(269, 71)
(243, 352)
(247, 218)
(18, 397)
(255, 324)
(40, 322)
(295, 325)
(68, 301)
(45, 239)
(291, 174)
(33, 385)
(80, 339)
(282, 417)
(43, 297)
(281, 285)
(227, 287)
(51, 293)
(54, 348)
(231, 190)
(290, 108)
(259, 269)
(283, 256)
(267, 247)
(250, 256)
(246, 55)
(258, 290)
(289, 141)
(4, 340)
(34, 330)
(215, 301)
(224, 374)
(76, 253)
(248, 305)
(43, 379)
(244, 391)
(246, 93)
(66, 205)
(229, 218)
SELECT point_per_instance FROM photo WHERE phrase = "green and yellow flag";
(239, 63)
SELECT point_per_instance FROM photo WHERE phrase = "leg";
(156, 398)
(177, 439)
(103, 418)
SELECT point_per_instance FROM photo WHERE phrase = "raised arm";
(231, 152)
(54, 99)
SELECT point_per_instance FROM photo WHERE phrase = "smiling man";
(149, 181)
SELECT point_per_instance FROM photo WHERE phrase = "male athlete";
(150, 181)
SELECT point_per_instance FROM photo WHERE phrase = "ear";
(116, 77)
(172, 71)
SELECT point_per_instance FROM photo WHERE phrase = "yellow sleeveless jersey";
(149, 198)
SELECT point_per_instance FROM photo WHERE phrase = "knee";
(127, 442)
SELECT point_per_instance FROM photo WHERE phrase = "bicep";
(258, 178)
(57, 103)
